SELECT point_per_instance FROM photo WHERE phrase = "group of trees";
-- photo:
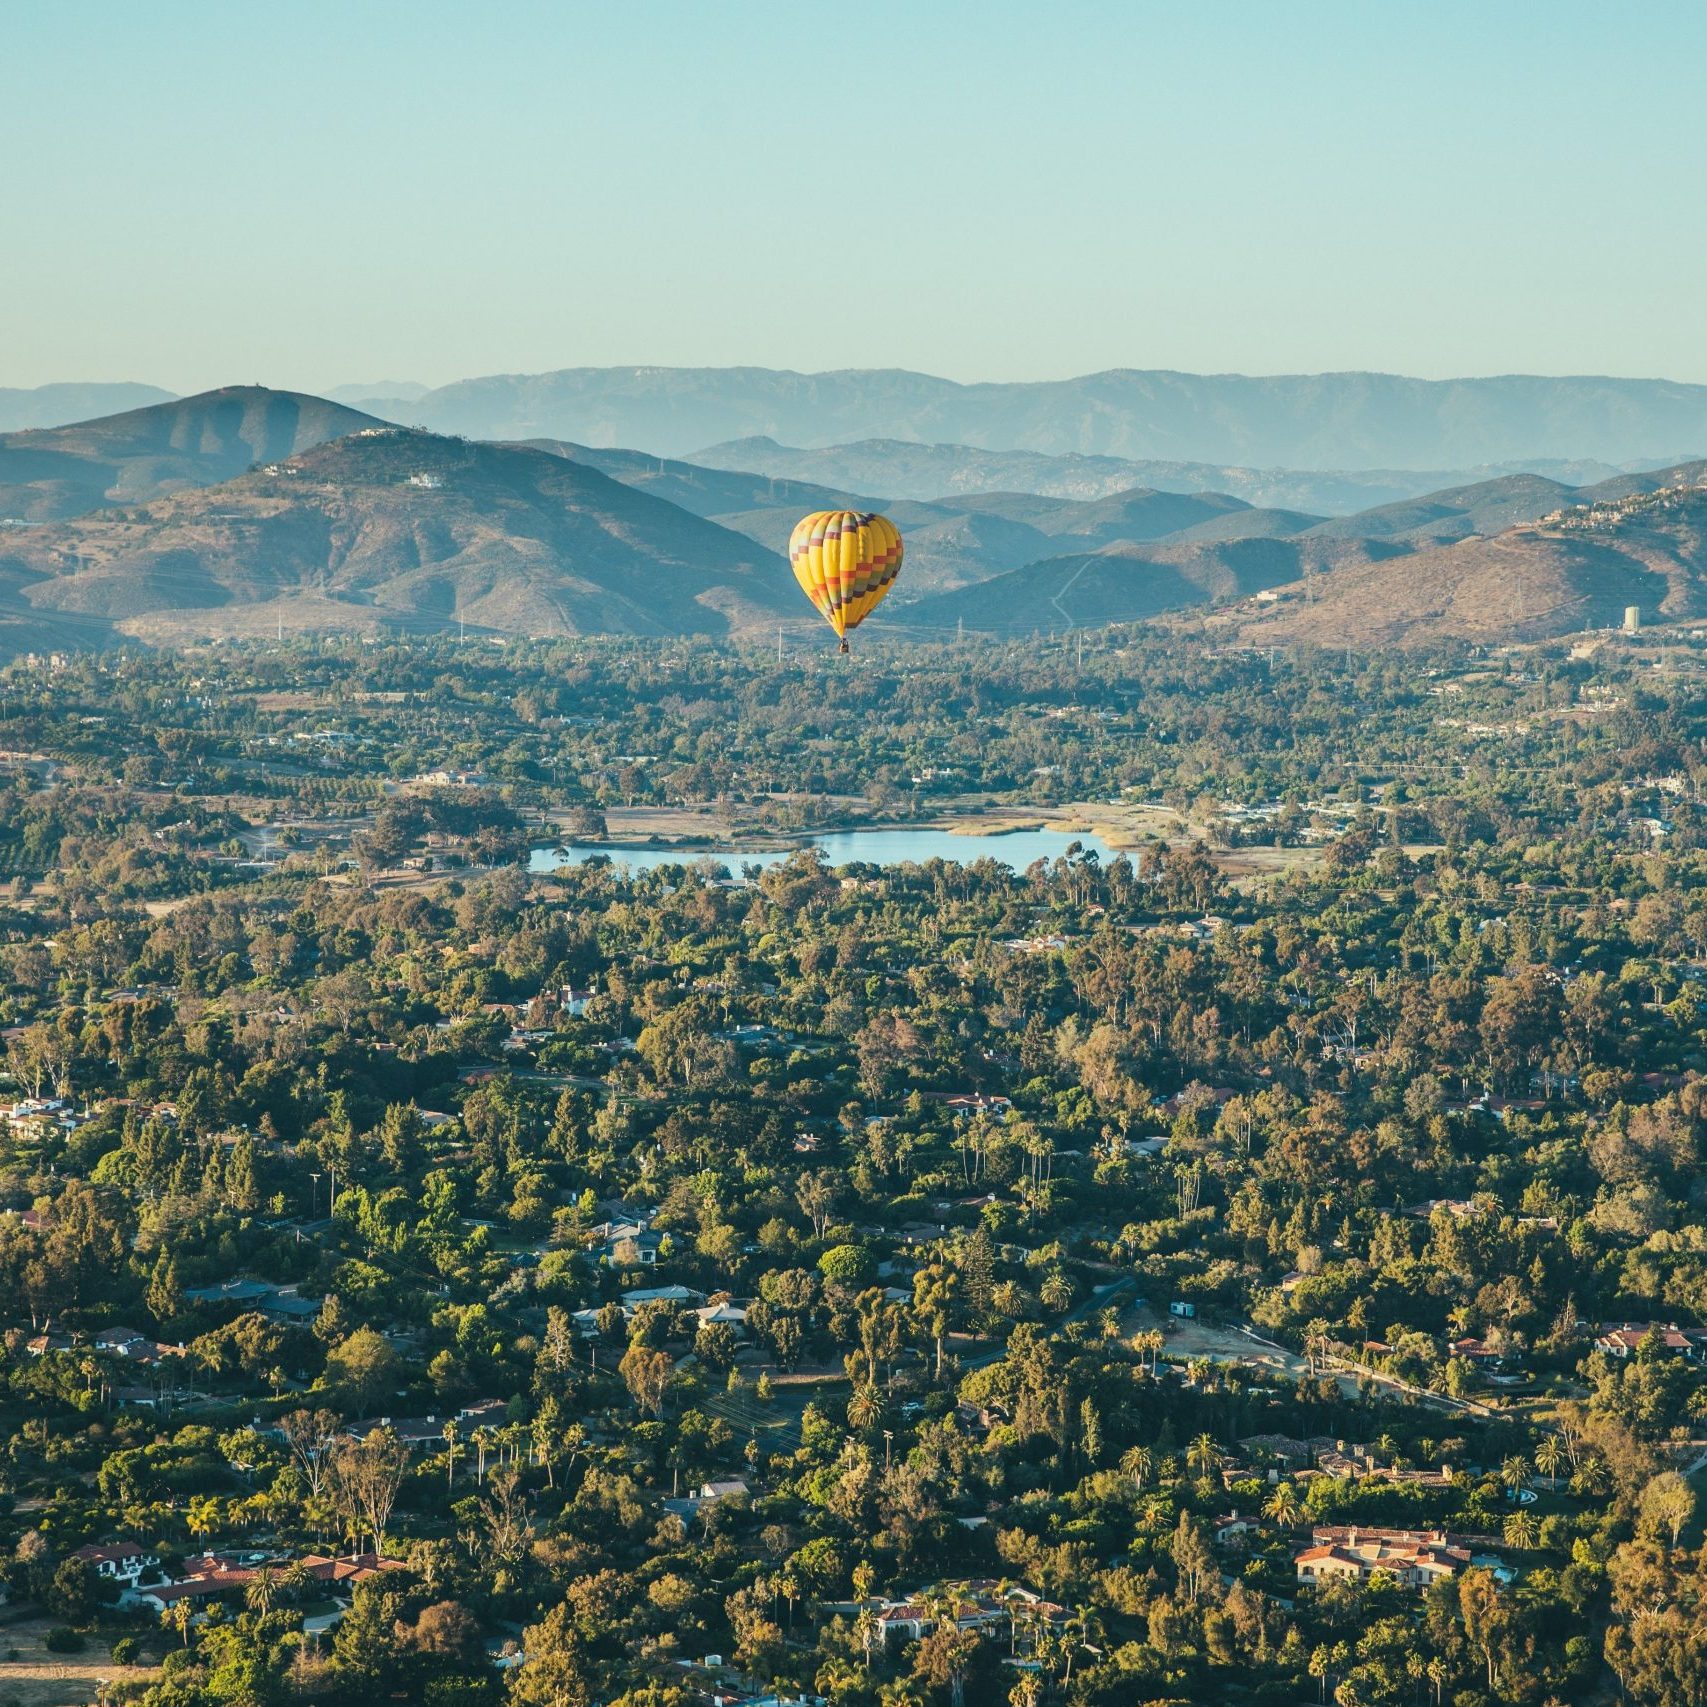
(1423, 1106)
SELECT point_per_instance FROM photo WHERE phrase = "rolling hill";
(1301, 421)
(1124, 583)
(951, 542)
(1432, 578)
(705, 491)
(53, 473)
(391, 529)
(1489, 506)
(1577, 570)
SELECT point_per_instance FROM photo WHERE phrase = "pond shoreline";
(877, 844)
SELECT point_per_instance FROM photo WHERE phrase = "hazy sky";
(314, 193)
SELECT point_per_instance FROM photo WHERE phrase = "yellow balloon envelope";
(845, 561)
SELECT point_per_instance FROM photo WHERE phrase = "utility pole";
(779, 642)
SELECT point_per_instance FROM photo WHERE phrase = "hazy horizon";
(313, 197)
(349, 389)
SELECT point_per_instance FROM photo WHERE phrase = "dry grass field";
(37, 1678)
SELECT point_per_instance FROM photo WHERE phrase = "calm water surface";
(1017, 848)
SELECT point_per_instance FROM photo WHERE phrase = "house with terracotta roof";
(1625, 1339)
(1415, 1558)
(214, 1575)
(979, 1605)
(204, 1580)
(354, 1568)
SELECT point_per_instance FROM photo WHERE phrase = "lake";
(1015, 848)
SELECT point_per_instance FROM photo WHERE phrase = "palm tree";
(1550, 1456)
(1148, 1345)
(261, 1592)
(1316, 1345)
(1027, 1692)
(837, 1677)
(1437, 1675)
(1202, 1455)
(1514, 1472)
(1282, 1504)
(452, 1435)
(202, 1517)
(179, 1615)
(1139, 1463)
(1158, 1343)
(868, 1633)
(865, 1407)
(1320, 1664)
(1521, 1529)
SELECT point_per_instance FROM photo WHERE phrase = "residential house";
(969, 1103)
(636, 1296)
(625, 1244)
(979, 1605)
(1415, 1558)
(735, 1315)
(709, 1492)
(205, 1578)
(123, 1562)
(352, 1569)
(1234, 1531)
(129, 1344)
(427, 1432)
(282, 1304)
(1625, 1339)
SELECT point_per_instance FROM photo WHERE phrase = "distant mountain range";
(54, 405)
(908, 470)
(1297, 421)
(244, 510)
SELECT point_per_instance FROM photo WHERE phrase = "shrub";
(62, 1639)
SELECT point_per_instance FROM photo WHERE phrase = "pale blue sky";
(308, 193)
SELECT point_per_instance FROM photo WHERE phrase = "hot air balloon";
(845, 561)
